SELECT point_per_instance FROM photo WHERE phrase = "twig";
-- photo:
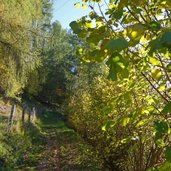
(133, 15)
(154, 87)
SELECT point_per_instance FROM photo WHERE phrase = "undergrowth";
(44, 145)
(18, 149)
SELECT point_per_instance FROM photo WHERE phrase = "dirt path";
(62, 149)
(50, 155)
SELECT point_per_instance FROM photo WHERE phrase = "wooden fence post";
(12, 115)
(34, 114)
(29, 115)
(23, 112)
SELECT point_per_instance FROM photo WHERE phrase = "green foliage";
(58, 65)
(112, 120)
(168, 154)
(167, 108)
(14, 149)
(133, 39)
(16, 50)
(117, 44)
(75, 27)
(23, 35)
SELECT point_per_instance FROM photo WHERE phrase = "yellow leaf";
(161, 87)
(111, 6)
(135, 31)
(84, 6)
(143, 40)
(134, 34)
(86, 60)
(80, 51)
(88, 25)
(77, 5)
(163, 2)
(104, 128)
(153, 61)
(156, 74)
(141, 123)
(99, 23)
(125, 121)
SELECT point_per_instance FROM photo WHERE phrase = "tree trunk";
(12, 116)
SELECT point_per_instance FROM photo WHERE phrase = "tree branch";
(165, 99)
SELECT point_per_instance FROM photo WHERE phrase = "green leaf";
(104, 128)
(97, 55)
(161, 87)
(156, 74)
(154, 45)
(75, 27)
(125, 121)
(141, 123)
(118, 67)
(121, 65)
(154, 25)
(161, 126)
(168, 154)
(93, 38)
(163, 41)
(124, 73)
(116, 58)
(125, 140)
(112, 63)
(160, 143)
(112, 72)
(93, 15)
(166, 39)
(153, 61)
(167, 108)
(117, 44)
(108, 125)
(168, 66)
(117, 14)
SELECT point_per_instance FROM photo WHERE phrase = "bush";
(117, 124)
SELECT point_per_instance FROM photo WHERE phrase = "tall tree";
(58, 62)
(41, 43)
(16, 46)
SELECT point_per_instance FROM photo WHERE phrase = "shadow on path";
(62, 149)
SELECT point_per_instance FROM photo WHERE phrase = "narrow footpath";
(59, 148)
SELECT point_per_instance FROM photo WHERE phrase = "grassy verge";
(46, 145)
(17, 147)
